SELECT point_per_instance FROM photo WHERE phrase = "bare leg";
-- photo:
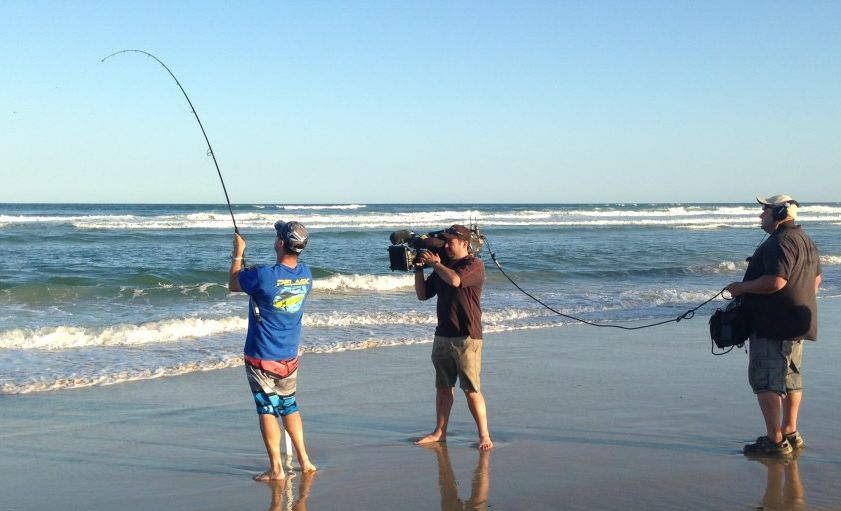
(771, 405)
(294, 427)
(270, 430)
(476, 403)
(791, 407)
(443, 404)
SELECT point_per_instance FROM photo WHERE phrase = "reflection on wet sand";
(784, 488)
(450, 500)
(283, 491)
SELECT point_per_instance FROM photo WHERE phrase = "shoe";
(796, 440)
(765, 447)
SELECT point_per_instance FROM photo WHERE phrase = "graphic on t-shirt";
(290, 299)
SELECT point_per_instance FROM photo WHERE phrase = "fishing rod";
(193, 109)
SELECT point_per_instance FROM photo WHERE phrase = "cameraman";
(457, 349)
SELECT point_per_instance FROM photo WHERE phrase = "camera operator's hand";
(428, 258)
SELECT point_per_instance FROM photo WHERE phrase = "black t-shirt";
(459, 310)
(791, 313)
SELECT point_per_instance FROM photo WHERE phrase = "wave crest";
(68, 337)
(365, 282)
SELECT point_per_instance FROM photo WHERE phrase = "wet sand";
(583, 418)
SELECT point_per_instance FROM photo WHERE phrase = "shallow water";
(96, 294)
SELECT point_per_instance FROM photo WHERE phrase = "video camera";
(406, 245)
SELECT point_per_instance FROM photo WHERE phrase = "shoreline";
(581, 419)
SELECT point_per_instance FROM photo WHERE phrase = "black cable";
(193, 109)
(686, 315)
(712, 348)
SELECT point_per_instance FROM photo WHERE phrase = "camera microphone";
(402, 236)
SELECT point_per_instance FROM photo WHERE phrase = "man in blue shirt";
(276, 307)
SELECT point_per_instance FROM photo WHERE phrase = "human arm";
(420, 284)
(236, 263)
(764, 285)
(447, 275)
(818, 280)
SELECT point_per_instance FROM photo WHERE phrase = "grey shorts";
(774, 365)
(457, 357)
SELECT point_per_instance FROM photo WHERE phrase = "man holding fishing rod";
(276, 307)
(778, 293)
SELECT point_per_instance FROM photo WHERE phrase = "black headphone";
(780, 212)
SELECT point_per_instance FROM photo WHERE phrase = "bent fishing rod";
(193, 109)
(689, 314)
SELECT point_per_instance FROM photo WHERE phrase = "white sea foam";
(722, 267)
(80, 381)
(364, 282)
(338, 319)
(633, 298)
(61, 219)
(311, 207)
(356, 216)
(364, 344)
(830, 260)
(68, 337)
(176, 330)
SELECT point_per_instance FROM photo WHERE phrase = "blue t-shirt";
(280, 292)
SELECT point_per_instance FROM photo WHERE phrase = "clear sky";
(426, 101)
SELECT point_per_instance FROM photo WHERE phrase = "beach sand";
(582, 417)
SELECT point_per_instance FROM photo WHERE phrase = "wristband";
(236, 258)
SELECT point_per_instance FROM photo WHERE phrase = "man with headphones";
(277, 295)
(779, 297)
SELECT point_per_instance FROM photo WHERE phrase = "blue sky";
(457, 101)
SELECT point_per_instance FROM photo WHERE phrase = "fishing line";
(193, 109)
(686, 315)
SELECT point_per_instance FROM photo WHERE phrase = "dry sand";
(583, 418)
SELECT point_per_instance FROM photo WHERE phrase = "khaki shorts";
(457, 357)
(775, 365)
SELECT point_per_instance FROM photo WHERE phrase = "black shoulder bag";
(729, 326)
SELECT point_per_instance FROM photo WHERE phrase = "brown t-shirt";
(459, 309)
(791, 313)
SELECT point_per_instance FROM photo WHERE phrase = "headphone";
(780, 212)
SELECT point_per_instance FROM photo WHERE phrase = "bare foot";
(307, 466)
(270, 475)
(485, 443)
(431, 438)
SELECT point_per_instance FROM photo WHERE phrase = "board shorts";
(774, 365)
(457, 357)
(272, 394)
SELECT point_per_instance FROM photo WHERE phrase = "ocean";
(97, 294)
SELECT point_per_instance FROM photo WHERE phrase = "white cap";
(781, 200)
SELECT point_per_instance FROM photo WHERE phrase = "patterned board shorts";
(457, 357)
(272, 395)
(774, 365)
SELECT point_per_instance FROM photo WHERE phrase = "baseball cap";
(781, 200)
(457, 232)
(293, 234)
(777, 200)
